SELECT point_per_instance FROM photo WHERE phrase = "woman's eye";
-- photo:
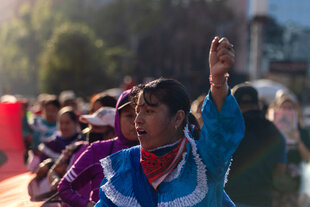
(149, 111)
(130, 116)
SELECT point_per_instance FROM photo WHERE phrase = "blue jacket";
(198, 179)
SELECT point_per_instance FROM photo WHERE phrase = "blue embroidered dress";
(198, 179)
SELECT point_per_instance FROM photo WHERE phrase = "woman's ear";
(179, 117)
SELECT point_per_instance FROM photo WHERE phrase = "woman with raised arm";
(169, 168)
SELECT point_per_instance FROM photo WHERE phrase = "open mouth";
(141, 132)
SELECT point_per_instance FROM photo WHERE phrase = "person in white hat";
(101, 127)
(101, 124)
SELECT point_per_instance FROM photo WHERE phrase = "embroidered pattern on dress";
(201, 189)
(109, 189)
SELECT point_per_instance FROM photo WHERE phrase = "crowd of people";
(150, 146)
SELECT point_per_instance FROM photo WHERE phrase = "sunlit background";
(92, 45)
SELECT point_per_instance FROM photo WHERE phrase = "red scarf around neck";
(157, 168)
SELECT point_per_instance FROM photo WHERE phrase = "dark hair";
(52, 101)
(245, 94)
(69, 110)
(193, 126)
(104, 100)
(167, 91)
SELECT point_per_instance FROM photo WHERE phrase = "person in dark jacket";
(260, 155)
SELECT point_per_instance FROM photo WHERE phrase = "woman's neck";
(165, 146)
(160, 151)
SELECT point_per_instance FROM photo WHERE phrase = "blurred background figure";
(260, 156)
(68, 132)
(98, 100)
(8, 99)
(306, 117)
(196, 107)
(67, 98)
(100, 124)
(87, 168)
(43, 126)
(101, 99)
(128, 83)
(104, 120)
(26, 129)
(37, 107)
(49, 150)
(285, 113)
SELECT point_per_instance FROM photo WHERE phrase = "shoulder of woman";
(101, 145)
(123, 157)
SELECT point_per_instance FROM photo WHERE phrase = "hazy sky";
(287, 11)
(6, 9)
(291, 11)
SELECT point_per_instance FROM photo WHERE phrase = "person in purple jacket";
(51, 149)
(101, 127)
(68, 133)
(87, 168)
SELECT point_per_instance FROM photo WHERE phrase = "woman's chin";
(144, 144)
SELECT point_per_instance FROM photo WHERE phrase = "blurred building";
(240, 8)
(285, 44)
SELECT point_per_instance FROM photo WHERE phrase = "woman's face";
(50, 113)
(287, 105)
(67, 126)
(155, 126)
(127, 118)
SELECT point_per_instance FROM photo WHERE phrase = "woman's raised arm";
(221, 59)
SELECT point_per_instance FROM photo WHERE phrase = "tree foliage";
(73, 59)
(18, 57)
(142, 38)
(169, 38)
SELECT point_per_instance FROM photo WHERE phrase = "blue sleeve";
(221, 134)
(227, 202)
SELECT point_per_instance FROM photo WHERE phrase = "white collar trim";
(109, 189)
(191, 199)
(201, 189)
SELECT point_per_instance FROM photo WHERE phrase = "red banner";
(10, 127)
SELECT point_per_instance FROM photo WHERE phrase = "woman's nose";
(138, 118)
